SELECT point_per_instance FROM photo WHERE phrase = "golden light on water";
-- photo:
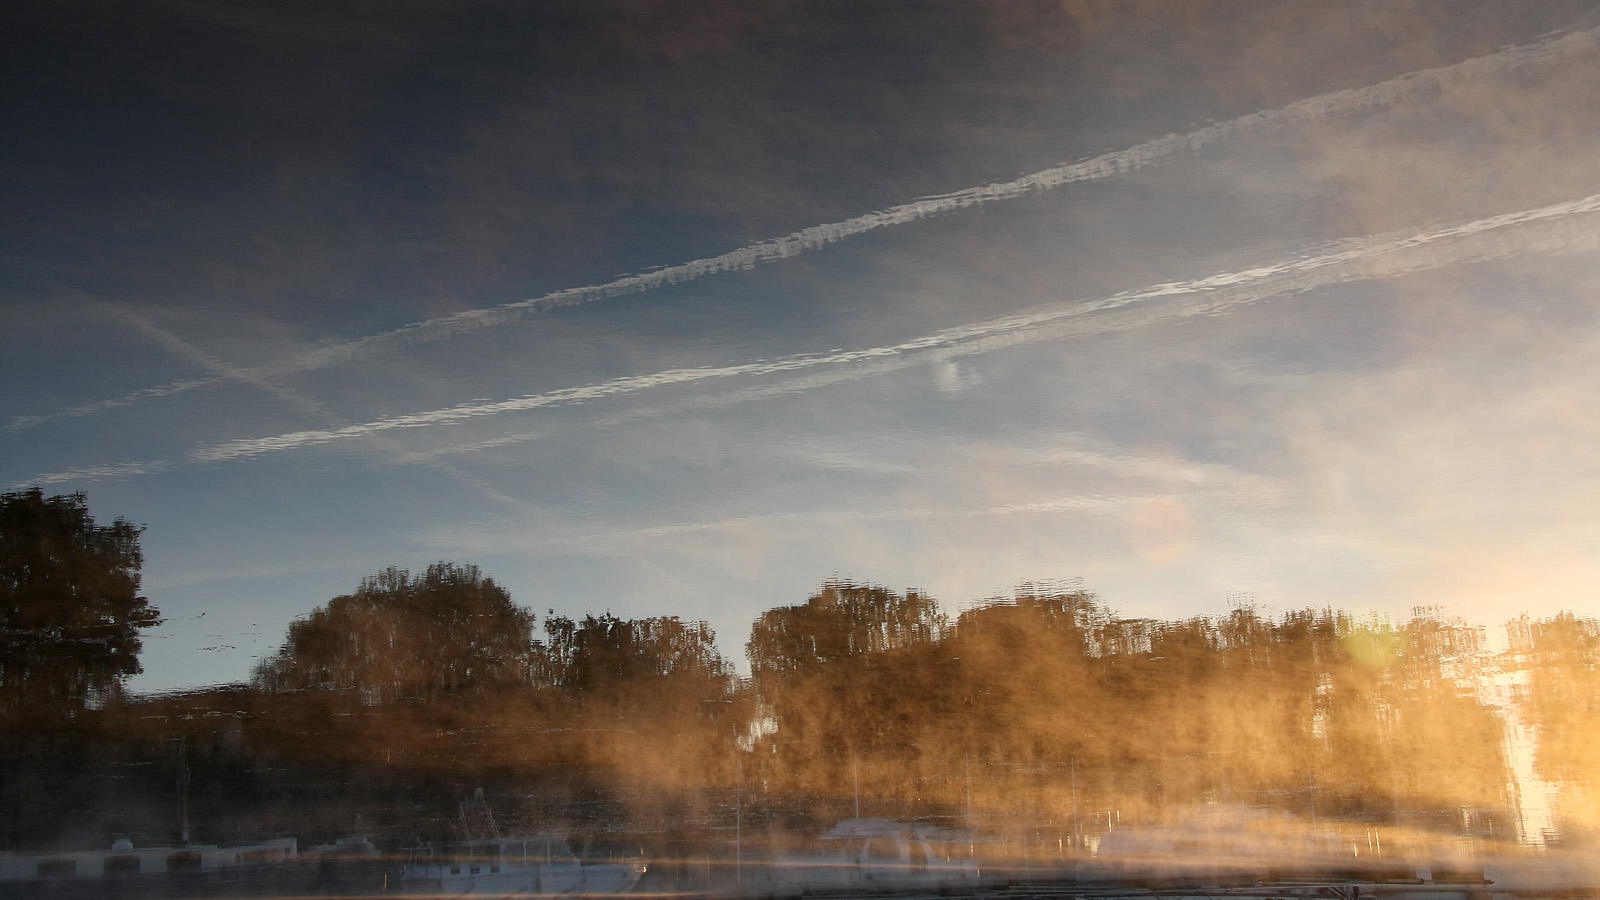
(1008, 450)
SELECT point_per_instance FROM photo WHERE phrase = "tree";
(660, 667)
(447, 631)
(840, 621)
(1563, 698)
(70, 610)
(852, 683)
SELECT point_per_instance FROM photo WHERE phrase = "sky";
(685, 308)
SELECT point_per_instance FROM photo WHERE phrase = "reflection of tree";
(1447, 745)
(1564, 696)
(655, 667)
(646, 698)
(1023, 672)
(848, 679)
(649, 698)
(447, 631)
(840, 621)
(1044, 705)
(70, 611)
(1058, 704)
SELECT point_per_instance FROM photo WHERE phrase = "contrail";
(220, 371)
(1545, 229)
(94, 473)
(1423, 83)
(1103, 504)
(1557, 228)
(21, 423)
(1074, 503)
(297, 401)
(1077, 503)
(1169, 471)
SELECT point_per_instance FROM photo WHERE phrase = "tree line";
(393, 702)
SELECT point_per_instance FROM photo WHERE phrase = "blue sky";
(682, 309)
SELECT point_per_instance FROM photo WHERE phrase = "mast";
(183, 795)
(855, 774)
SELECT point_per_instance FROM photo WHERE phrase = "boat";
(123, 859)
(878, 854)
(534, 865)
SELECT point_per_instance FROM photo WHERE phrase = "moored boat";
(878, 853)
(124, 859)
(537, 865)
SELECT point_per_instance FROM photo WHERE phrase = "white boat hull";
(535, 867)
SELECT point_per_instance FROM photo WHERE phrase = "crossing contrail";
(1557, 228)
(1423, 83)
(219, 370)
(1560, 227)
(291, 398)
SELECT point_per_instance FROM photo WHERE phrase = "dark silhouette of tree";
(839, 621)
(1024, 667)
(70, 610)
(447, 631)
(652, 700)
(849, 683)
(1047, 702)
(640, 661)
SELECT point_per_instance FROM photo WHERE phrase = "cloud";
(293, 399)
(608, 540)
(22, 423)
(1071, 450)
(96, 473)
(219, 369)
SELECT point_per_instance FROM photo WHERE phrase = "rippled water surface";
(1036, 434)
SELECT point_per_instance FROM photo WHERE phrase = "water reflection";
(421, 734)
(663, 312)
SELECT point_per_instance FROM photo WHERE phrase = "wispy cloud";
(224, 371)
(1071, 450)
(220, 370)
(1420, 84)
(22, 423)
(1557, 228)
(608, 540)
(1075, 503)
(96, 473)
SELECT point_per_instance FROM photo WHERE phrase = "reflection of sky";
(1342, 353)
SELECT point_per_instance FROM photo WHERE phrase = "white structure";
(540, 865)
(869, 853)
